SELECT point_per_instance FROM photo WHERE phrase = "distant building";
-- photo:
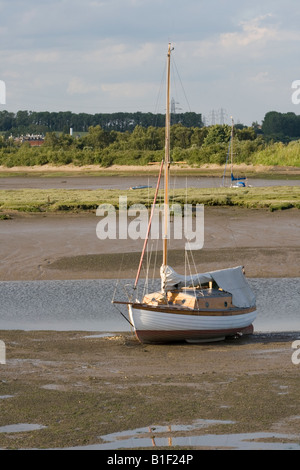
(31, 139)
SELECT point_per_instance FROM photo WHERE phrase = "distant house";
(31, 139)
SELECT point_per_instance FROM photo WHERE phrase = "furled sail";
(231, 280)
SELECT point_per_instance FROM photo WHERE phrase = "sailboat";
(200, 307)
(239, 181)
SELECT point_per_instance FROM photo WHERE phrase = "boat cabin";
(191, 298)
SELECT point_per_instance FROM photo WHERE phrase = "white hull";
(158, 326)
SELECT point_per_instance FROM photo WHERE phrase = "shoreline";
(205, 170)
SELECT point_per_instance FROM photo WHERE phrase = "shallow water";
(21, 427)
(86, 305)
(169, 436)
(177, 436)
(126, 182)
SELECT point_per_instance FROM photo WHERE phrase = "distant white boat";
(141, 187)
(201, 307)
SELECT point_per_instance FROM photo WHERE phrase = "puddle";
(21, 427)
(101, 335)
(199, 424)
(169, 436)
(61, 388)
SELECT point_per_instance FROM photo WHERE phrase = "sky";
(231, 57)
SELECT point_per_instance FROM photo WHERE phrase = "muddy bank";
(81, 387)
(51, 246)
(260, 262)
(205, 170)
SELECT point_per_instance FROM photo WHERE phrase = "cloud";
(2, 92)
(128, 90)
(29, 16)
(253, 33)
(262, 77)
(251, 39)
(110, 54)
(121, 56)
(77, 86)
(254, 41)
(44, 56)
(29, 59)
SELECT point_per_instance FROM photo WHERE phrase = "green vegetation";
(195, 146)
(278, 154)
(281, 126)
(130, 139)
(36, 200)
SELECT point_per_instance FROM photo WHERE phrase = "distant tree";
(272, 123)
(291, 124)
(256, 127)
(22, 119)
(181, 136)
(51, 140)
(247, 133)
(6, 120)
(97, 137)
(281, 125)
(3, 142)
(198, 136)
(217, 134)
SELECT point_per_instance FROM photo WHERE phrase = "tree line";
(282, 127)
(276, 126)
(31, 122)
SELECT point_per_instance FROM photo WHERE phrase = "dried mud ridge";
(261, 262)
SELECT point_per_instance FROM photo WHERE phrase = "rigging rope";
(188, 104)
(149, 226)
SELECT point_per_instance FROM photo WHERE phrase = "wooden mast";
(231, 148)
(167, 163)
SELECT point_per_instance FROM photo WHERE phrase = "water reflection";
(172, 436)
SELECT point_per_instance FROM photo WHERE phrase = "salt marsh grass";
(56, 200)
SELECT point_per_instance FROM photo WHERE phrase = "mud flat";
(52, 246)
(77, 388)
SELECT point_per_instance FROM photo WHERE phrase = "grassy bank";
(179, 168)
(55, 200)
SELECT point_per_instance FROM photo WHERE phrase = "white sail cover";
(231, 280)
